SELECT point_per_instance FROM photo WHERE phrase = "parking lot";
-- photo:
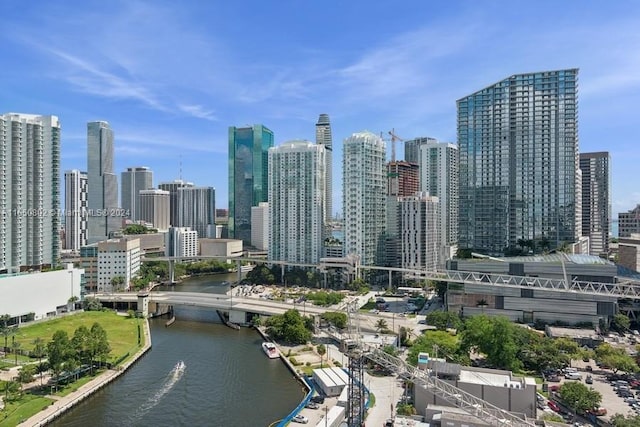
(610, 400)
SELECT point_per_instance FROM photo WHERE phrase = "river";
(228, 381)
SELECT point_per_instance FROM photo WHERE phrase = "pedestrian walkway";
(64, 403)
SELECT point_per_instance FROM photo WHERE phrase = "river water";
(227, 380)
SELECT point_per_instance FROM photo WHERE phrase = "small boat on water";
(270, 350)
(179, 366)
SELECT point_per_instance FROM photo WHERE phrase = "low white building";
(181, 242)
(333, 418)
(33, 296)
(331, 380)
(117, 258)
(229, 248)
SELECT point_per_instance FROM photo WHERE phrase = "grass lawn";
(16, 412)
(74, 386)
(122, 332)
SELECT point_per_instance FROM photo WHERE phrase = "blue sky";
(170, 77)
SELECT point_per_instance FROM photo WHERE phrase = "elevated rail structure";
(627, 289)
(475, 406)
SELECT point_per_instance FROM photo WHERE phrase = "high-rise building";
(181, 242)
(297, 201)
(629, 222)
(364, 181)
(153, 207)
(102, 200)
(134, 180)
(29, 191)
(172, 188)
(596, 200)
(260, 226)
(75, 205)
(412, 148)
(248, 183)
(197, 210)
(323, 137)
(439, 178)
(518, 156)
(420, 232)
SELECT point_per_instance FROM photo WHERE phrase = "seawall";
(59, 407)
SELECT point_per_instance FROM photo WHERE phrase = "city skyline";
(405, 75)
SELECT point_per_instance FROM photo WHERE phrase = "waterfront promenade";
(65, 403)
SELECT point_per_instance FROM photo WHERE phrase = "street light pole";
(71, 302)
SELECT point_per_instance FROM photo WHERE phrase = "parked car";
(598, 412)
(553, 406)
(554, 388)
(589, 379)
(301, 419)
(318, 399)
(588, 368)
(312, 405)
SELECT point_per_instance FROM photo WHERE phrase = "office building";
(134, 180)
(596, 201)
(172, 188)
(197, 209)
(102, 200)
(439, 177)
(181, 242)
(75, 209)
(629, 222)
(118, 264)
(324, 137)
(412, 148)
(260, 226)
(89, 263)
(29, 191)
(153, 207)
(518, 157)
(364, 181)
(421, 247)
(248, 186)
(297, 202)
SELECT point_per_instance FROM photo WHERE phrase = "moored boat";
(270, 350)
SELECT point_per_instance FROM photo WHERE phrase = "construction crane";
(394, 138)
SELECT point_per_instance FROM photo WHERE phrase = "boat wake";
(169, 382)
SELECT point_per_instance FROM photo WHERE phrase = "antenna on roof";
(180, 175)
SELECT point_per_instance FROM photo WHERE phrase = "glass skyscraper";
(102, 183)
(519, 173)
(248, 168)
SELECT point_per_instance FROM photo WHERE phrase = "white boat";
(179, 366)
(270, 350)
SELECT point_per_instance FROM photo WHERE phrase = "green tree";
(117, 283)
(439, 344)
(58, 350)
(289, 327)
(620, 323)
(5, 329)
(25, 374)
(91, 304)
(443, 320)
(403, 335)
(552, 417)
(579, 397)
(261, 275)
(10, 388)
(390, 349)
(495, 337)
(98, 344)
(321, 349)
(569, 347)
(616, 358)
(336, 318)
(619, 420)
(381, 325)
(15, 346)
(81, 343)
(406, 409)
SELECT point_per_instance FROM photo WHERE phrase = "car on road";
(300, 419)
(589, 379)
(318, 399)
(312, 405)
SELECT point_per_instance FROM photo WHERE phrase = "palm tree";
(15, 346)
(117, 283)
(381, 325)
(5, 330)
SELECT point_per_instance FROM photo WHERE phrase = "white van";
(573, 376)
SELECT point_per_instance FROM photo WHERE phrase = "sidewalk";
(63, 404)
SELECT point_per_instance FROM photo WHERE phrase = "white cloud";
(198, 111)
